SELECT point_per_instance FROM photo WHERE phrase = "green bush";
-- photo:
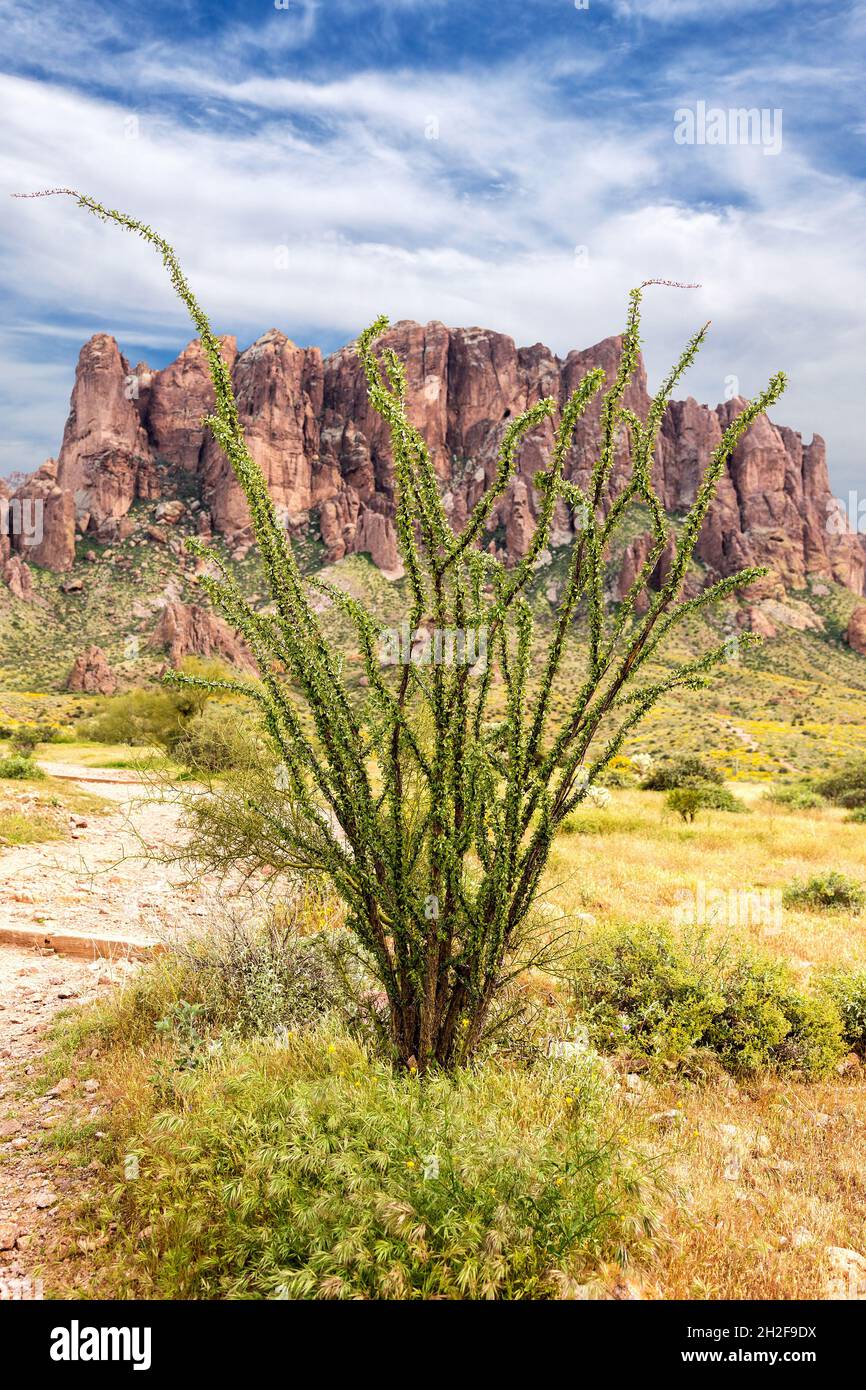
(687, 771)
(308, 1171)
(214, 741)
(847, 991)
(846, 786)
(831, 892)
(18, 766)
(685, 801)
(638, 988)
(798, 798)
(768, 1023)
(156, 718)
(688, 801)
(641, 990)
(857, 816)
(26, 738)
(264, 979)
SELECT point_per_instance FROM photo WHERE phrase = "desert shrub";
(832, 892)
(26, 738)
(685, 801)
(687, 771)
(857, 816)
(214, 741)
(154, 718)
(688, 801)
(260, 979)
(20, 767)
(797, 798)
(768, 1023)
(847, 990)
(722, 799)
(641, 990)
(846, 786)
(306, 1170)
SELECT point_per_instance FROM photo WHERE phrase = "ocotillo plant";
(432, 819)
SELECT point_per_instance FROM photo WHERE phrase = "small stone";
(63, 1085)
(847, 1279)
(8, 1236)
(91, 1086)
(46, 1199)
(800, 1236)
(668, 1119)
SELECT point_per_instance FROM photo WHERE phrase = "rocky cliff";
(137, 434)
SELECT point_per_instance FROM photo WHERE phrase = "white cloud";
(477, 226)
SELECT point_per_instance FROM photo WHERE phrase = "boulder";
(91, 674)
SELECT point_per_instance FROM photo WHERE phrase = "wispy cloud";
(525, 194)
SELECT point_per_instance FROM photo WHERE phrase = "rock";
(105, 459)
(45, 532)
(325, 452)
(8, 1236)
(91, 674)
(180, 397)
(18, 579)
(847, 1276)
(801, 1237)
(184, 630)
(170, 511)
(46, 1199)
(668, 1119)
(62, 1087)
(855, 633)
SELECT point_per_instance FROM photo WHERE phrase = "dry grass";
(799, 1151)
(640, 862)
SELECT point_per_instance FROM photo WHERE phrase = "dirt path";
(98, 884)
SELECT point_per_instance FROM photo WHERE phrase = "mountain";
(134, 442)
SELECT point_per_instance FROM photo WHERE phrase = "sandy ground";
(100, 882)
(97, 883)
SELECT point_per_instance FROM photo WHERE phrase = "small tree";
(433, 821)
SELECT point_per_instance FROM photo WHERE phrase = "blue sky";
(505, 164)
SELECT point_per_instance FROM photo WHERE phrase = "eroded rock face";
(44, 523)
(177, 400)
(17, 578)
(326, 454)
(278, 387)
(186, 630)
(91, 674)
(105, 459)
(855, 634)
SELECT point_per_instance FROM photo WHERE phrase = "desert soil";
(96, 883)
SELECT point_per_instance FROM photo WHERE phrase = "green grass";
(306, 1169)
(18, 828)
